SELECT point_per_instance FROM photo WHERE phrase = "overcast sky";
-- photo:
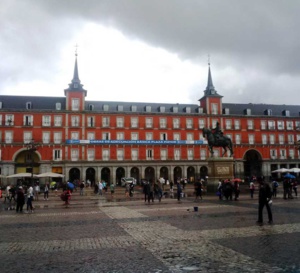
(152, 50)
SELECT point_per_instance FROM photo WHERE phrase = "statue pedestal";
(219, 168)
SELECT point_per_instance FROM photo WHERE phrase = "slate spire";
(210, 89)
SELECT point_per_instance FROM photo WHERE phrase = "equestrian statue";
(216, 138)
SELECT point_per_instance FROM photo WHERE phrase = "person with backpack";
(274, 188)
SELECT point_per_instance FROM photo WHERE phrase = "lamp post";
(31, 148)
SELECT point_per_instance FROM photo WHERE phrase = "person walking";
(36, 191)
(46, 191)
(274, 188)
(100, 188)
(20, 199)
(29, 199)
(198, 190)
(220, 190)
(112, 189)
(81, 186)
(264, 199)
(252, 188)
(179, 190)
(295, 188)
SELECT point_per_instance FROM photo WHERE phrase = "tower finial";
(208, 59)
(76, 47)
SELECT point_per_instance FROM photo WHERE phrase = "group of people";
(228, 190)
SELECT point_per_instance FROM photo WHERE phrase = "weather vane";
(208, 59)
(76, 47)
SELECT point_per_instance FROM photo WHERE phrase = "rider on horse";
(217, 132)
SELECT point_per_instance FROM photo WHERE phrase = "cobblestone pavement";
(94, 235)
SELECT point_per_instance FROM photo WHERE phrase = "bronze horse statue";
(217, 141)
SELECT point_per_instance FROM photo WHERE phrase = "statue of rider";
(218, 134)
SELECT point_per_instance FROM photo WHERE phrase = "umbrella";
(282, 170)
(21, 175)
(288, 175)
(50, 174)
(237, 180)
(70, 185)
(294, 170)
(53, 183)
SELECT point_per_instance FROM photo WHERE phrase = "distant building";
(110, 140)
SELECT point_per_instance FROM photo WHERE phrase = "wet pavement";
(104, 234)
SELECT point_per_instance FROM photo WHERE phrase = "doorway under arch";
(203, 172)
(191, 173)
(120, 172)
(90, 174)
(74, 174)
(150, 174)
(164, 173)
(252, 163)
(177, 174)
(135, 173)
(105, 175)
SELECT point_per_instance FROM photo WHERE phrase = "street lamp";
(31, 148)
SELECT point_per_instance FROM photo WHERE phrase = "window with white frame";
(162, 123)
(120, 154)
(291, 154)
(272, 139)
(91, 107)
(105, 107)
(120, 108)
(163, 154)
(46, 137)
(251, 139)
(27, 120)
(250, 124)
(120, 122)
(57, 137)
(105, 121)
(177, 154)
(57, 154)
(120, 136)
(214, 108)
(75, 121)
(149, 154)
(237, 124)
(149, 122)
(134, 122)
(281, 139)
(237, 139)
(280, 125)
(190, 136)
(75, 135)
(202, 154)
(8, 137)
(0, 118)
(9, 120)
(90, 121)
(28, 105)
(291, 139)
(148, 108)
(214, 123)
(75, 104)
(297, 125)
(228, 124)
(134, 154)
(46, 121)
(201, 123)
(264, 139)
(90, 154)
(190, 154)
(263, 125)
(91, 135)
(74, 154)
(176, 136)
(27, 137)
(216, 152)
(229, 136)
(163, 136)
(282, 154)
(188, 109)
(162, 109)
(175, 109)
(105, 154)
(133, 108)
(271, 125)
(105, 136)
(289, 125)
(273, 154)
(58, 106)
(134, 136)
(201, 137)
(176, 123)
(189, 123)
(57, 121)
(149, 136)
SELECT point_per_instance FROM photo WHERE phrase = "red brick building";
(109, 140)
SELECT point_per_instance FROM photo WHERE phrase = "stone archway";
(105, 175)
(74, 174)
(135, 173)
(252, 163)
(27, 162)
(90, 174)
(164, 173)
(150, 174)
(120, 173)
(203, 172)
(177, 174)
(191, 173)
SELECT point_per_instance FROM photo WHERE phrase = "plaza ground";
(105, 234)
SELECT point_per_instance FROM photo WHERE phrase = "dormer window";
(200, 110)
(268, 112)
(188, 109)
(58, 106)
(75, 85)
(162, 109)
(120, 108)
(91, 107)
(28, 105)
(148, 108)
(0, 104)
(226, 111)
(175, 109)
(286, 113)
(247, 112)
(105, 107)
(133, 108)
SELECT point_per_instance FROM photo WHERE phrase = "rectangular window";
(190, 154)
(105, 154)
(9, 120)
(177, 154)
(273, 154)
(190, 136)
(58, 106)
(149, 136)
(214, 108)
(264, 139)
(271, 125)
(189, 123)
(90, 121)
(237, 139)
(272, 139)
(105, 121)
(263, 125)
(46, 121)
(289, 125)
(163, 154)
(176, 136)
(57, 121)
(134, 154)
(28, 120)
(228, 125)
(163, 136)
(134, 122)
(201, 123)
(280, 125)
(202, 154)
(291, 139)
(46, 137)
(250, 124)
(176, 123)
(91, 136)
(120, 154)
(149, 122)
(57, 137)
(282, 154)
(134, 136)
(27, 137)
(237, 124)
(149, 153)
(8, 137)
(120, 122)
(105, 136)
(57, 154)
(120, 136)
(90, 154)
(214, 123)
(75, 121)
(291, 154)
(75, 104)
(75, 135)
(74, 154)
(251, 139)
(281, 139)
(162, 123)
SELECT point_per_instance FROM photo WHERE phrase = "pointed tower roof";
(75, 84)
